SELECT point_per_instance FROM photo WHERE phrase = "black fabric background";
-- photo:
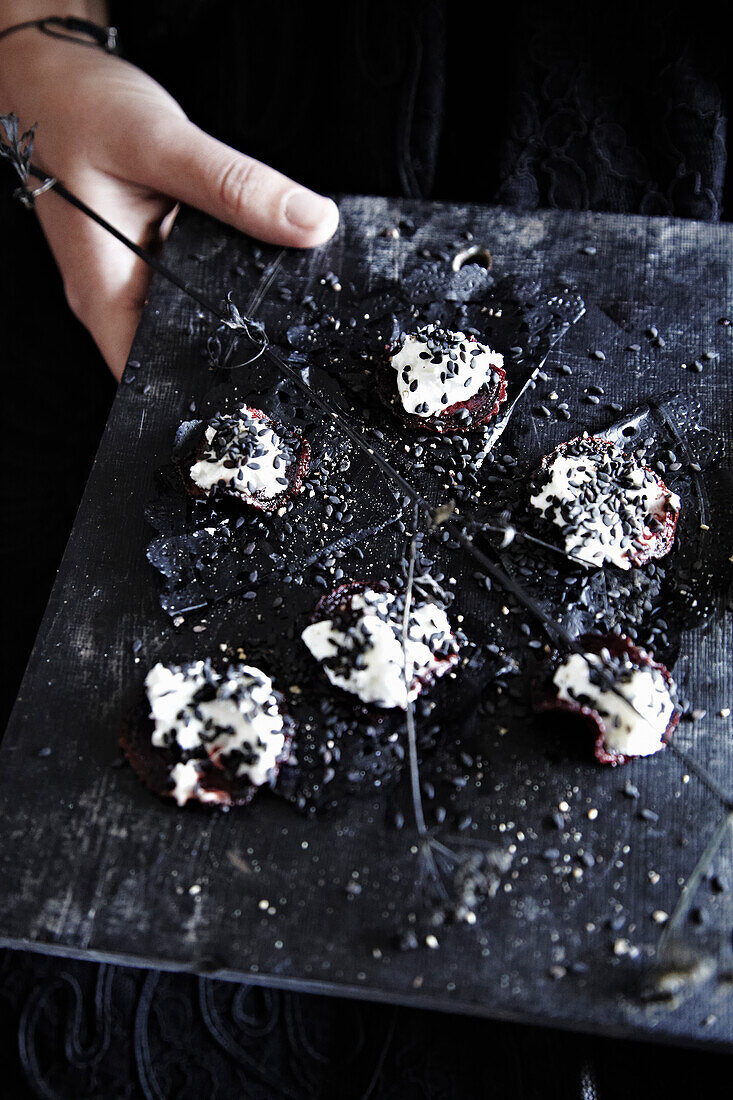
(616, 110)
(619, 107)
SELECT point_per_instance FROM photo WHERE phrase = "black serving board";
(94, 866)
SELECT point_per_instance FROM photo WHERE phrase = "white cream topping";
(263, 472)
(626, 731)
(186, 784)
(429, 381)
(373, 657)
(237, 712)
(590, 538)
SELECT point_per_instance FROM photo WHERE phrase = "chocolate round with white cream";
(607, 507)
(209, 736)
(634, 720)
(356, 635)
(446, 382)
(248, 456)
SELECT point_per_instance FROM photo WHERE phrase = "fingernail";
(306, 209)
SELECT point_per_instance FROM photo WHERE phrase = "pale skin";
(123, 145)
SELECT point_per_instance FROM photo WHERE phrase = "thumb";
(195, 168)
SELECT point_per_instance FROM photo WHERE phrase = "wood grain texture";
(93, 866)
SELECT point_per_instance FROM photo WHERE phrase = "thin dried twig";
(422, 830)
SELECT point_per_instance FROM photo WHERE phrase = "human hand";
(123, 145)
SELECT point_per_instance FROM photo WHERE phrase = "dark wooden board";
(94, 866)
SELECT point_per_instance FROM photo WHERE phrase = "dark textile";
(527, 107)
(83, 1031)
(619, 108)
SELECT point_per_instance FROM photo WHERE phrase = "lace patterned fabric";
(619, 112)
(87, 1031)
